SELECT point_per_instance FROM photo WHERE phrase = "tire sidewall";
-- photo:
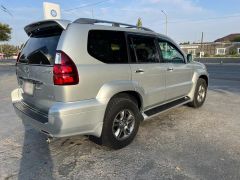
(113, 109)
(199, 83)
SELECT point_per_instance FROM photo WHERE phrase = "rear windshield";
(40, 49)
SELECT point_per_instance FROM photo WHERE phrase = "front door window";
(170, 54)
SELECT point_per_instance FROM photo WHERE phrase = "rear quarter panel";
(93, 74)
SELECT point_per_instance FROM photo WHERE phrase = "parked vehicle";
(87, 78)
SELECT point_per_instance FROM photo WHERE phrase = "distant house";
(228, 45)
(1, 56)
(14, 56)
(229, 38)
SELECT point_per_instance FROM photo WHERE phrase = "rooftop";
(230, 38)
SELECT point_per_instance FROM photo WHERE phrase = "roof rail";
(114, 24)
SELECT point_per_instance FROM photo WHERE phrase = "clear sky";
(187, 18)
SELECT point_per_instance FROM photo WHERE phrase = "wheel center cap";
(121, 124)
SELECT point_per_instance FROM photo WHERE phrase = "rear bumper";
(63, 119)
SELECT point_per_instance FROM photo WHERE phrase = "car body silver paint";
(199, 69)
(80, 109)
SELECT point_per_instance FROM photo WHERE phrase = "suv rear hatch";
(35, 63)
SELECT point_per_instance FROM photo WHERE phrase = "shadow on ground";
(36, 161)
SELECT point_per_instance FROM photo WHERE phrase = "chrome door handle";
(169, 69)
(139, 71)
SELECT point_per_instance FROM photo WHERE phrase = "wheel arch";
(112, 89)
(132, 94)
(205, 78)
(197, 75)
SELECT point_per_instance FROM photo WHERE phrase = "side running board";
(164, 107)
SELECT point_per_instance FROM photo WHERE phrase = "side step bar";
(167, 106)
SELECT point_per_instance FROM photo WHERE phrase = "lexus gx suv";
(101, 79)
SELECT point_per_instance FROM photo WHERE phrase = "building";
(14, 56)
(229, 38)
(228, 45)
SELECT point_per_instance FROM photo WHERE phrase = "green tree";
(184, 43)
(5, 32)
(139, 23)
(233, 51)
(9, 50)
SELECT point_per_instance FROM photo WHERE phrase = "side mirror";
(189, 58)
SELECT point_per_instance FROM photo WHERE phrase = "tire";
(199, 94)
(117, 133)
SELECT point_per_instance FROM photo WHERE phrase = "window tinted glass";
(40, 50)
(107, 46)
(143, 49)
(170, 54)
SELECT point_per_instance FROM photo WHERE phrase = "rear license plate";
(28, 87)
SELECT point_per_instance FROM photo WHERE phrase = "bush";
(206, 55)
(233, 52)
(9, 50)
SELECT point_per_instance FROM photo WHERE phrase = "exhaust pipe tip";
(49, 140)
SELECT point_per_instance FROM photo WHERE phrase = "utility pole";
(201, 45)
(166, 22)
(202, 41)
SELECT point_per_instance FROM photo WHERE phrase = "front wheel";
(200, 94)
(121, 122)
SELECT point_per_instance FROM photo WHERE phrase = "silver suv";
(88, 78)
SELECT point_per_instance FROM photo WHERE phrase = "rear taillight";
(64, 70)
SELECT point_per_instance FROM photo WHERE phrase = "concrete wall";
(218, 60)
(7, 61)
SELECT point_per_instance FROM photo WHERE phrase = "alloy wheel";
(123, 124)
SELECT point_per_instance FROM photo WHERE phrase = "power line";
(87, 5)
(4, 9)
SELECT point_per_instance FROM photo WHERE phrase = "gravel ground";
(183, 143)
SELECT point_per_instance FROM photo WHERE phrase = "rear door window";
(143, 49)
(40, 49)
(108, 46)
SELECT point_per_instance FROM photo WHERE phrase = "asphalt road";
(182, 143)
(224, 77)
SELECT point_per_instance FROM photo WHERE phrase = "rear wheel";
(200, 94)
(121, 122)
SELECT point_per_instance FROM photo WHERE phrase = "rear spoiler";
(44, 24)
